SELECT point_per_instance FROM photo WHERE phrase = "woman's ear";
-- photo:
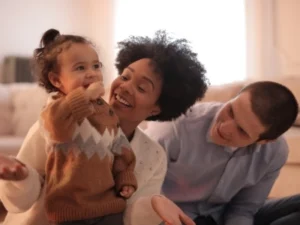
(54, 79)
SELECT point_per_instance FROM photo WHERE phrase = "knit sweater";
(89, 158)
(24, 199)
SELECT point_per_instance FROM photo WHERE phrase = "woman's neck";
(128, 128)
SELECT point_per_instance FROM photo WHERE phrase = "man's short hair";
(274, 105)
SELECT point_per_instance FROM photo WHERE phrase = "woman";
(160, 79)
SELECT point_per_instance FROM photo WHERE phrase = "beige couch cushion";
(5, 110)
(10, 145)
(293, 83)
(222, 93)
(28, 101)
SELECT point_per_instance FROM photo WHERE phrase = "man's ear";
(54, 79)
(262, 142)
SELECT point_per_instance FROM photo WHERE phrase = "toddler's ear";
(54, 79)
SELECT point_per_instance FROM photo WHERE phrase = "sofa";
(21, 103)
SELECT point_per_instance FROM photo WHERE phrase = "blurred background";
(238, 41)
(235, 39)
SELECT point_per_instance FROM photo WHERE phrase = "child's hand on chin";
(12, 169)
(127, 191)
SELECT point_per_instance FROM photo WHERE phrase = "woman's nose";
(127, 87)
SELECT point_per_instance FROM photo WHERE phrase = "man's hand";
(12, 169)
(169, 212)
(95, 90)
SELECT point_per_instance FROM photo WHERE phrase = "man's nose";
(227, 128)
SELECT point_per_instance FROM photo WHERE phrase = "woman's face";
(135, 92)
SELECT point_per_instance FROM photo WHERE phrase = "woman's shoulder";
(142, 141)
(150, 156)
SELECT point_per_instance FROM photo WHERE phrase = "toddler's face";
(79, 66)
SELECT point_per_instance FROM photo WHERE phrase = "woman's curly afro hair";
(184, 80)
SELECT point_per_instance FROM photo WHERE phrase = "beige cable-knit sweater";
(89, 158)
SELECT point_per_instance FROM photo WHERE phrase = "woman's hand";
(12, 169)
(170, 213)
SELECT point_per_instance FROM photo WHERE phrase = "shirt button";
(99, 102)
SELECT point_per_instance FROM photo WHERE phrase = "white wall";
(102, 23)
(22, 24)
(215, 28)
(273, 35)
(287, 36)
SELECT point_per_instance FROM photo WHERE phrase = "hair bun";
(48, 37)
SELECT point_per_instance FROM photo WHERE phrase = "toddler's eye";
(98, 65)
(80, 68)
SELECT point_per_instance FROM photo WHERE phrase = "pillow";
(28, 101)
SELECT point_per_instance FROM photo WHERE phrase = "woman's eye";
(141, 89)
(123, 77)
(231, 113)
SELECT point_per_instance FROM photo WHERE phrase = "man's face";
(236, 125)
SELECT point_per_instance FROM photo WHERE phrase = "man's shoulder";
(199, 115)
(203, 109)
(277, 147)
(275, 152)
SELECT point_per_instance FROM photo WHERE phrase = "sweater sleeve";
(124, 162)
(18, 196)
(60, 116)
(139, 207)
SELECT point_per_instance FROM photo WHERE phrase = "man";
(223, 159)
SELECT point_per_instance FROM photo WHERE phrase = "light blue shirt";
(207, 179)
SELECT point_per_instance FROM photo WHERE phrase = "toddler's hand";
(127, 191)
(95, 90)
(12, 169)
